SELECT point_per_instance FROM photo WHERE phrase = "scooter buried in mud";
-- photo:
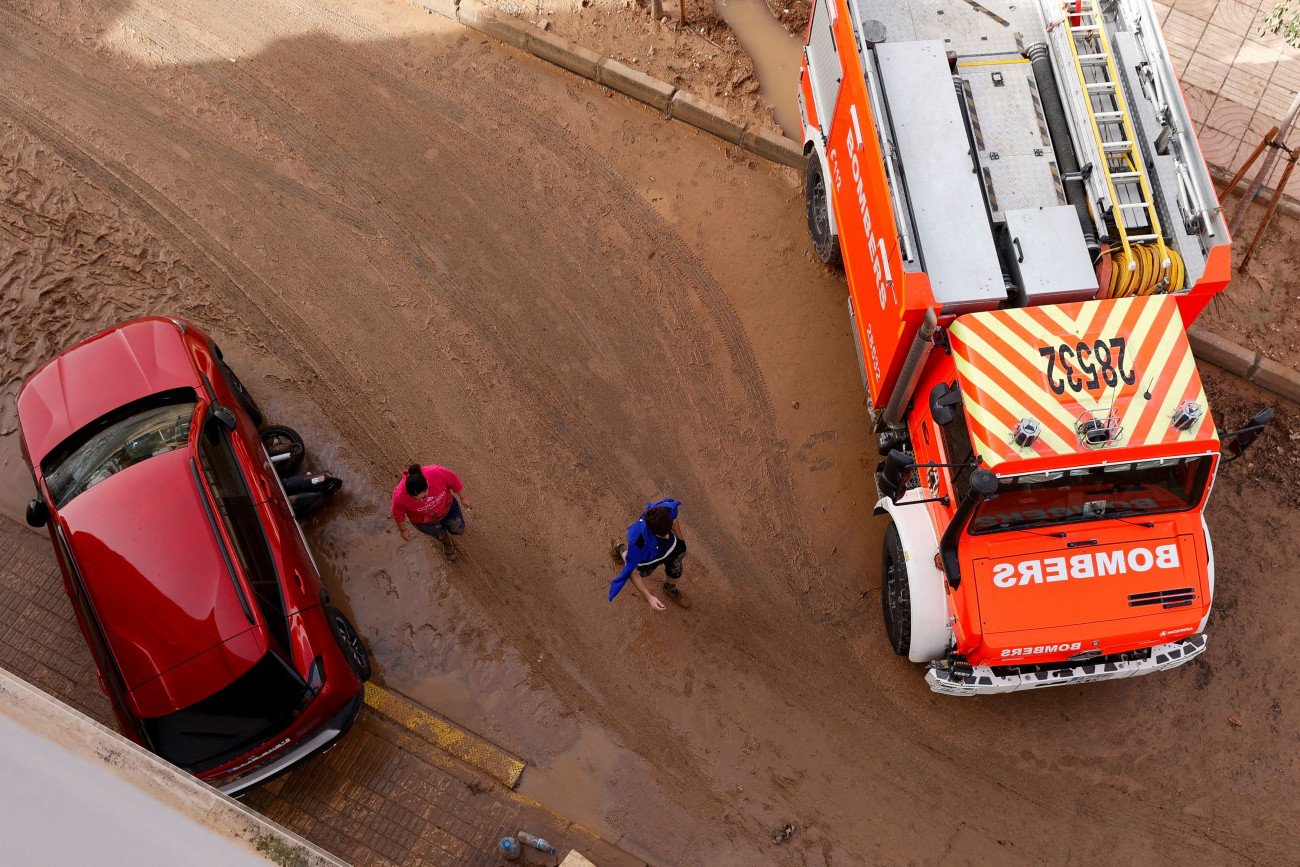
(307, 492)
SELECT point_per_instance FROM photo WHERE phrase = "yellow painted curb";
(468, 747)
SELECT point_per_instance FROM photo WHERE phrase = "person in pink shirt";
(425, 496)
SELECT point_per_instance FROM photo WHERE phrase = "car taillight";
(315, 683)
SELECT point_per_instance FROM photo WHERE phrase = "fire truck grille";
(1180, 598)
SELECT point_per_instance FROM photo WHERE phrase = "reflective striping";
(1042, 363)
(468, 747)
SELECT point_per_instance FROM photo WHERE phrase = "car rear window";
(229, 723)
(111, 444)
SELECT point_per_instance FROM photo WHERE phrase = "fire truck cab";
(1027, 227)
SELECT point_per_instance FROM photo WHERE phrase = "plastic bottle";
(510, 849)
(536, 842)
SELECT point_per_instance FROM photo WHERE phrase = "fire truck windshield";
(1094, 493)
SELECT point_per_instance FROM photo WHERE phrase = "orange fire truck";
(1027, 227)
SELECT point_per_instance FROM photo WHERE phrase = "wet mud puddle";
(776, 55)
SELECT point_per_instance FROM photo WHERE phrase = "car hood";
(155, 574)
(1119, 592)
(97, 376)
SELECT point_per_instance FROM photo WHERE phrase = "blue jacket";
(641, 545)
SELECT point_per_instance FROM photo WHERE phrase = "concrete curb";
(1246, 363)
(619, 77)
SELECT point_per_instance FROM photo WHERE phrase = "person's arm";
(457, 486)
(399, 515)
(677, 528)
(639, 584)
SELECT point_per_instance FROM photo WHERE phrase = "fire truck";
(1027, 227)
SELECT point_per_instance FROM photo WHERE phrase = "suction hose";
(1059, 128)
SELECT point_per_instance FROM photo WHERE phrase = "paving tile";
(1206, 72)
(1219, 148)
(1234, 16)
(1199, 101)
(1242, 89)
(1162, 12)
(1181, 56)
(1183, 29)
(1202, 9)
(1220, 44)
(1276, 100)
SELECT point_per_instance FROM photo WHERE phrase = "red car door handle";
(298, 578)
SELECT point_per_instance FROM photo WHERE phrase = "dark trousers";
(453, 522)
(672, 565)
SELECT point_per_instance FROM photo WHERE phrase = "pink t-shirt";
(436, 502)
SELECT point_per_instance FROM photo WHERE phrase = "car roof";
(156, 576)
(98, 375)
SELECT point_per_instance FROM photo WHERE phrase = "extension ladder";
(1119, 180)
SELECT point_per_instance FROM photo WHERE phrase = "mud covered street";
(416, 244)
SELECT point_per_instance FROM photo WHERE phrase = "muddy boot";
(449, 549)
(671, 591)
(618, 552)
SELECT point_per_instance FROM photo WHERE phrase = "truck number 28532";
(1101, 362)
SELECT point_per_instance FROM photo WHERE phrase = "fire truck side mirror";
(983, 482)
(943, 403)
(894, 470)
(1235, 444)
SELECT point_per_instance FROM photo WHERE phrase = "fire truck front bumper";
(987, 681)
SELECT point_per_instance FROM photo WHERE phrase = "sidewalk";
(1237, 83)
(403, 787)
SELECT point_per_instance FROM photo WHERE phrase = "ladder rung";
(1124, 176)
(1133, 206)
(1108, 116)
(1087, 58)
(1133, 239)
(1117, 146)
(1101, 86)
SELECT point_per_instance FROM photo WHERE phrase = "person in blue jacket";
(655, 538)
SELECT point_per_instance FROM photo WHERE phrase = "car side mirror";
(1234, 444)
(37, 513)
(225, 417)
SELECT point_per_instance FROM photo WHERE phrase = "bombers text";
(1092, 564)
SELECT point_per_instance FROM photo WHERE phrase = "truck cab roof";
(1083, 383)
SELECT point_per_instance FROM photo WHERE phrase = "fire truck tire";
(825, 243)
(895, 593)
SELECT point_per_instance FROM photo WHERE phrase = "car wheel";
(349, 642)
(245, 399)
(285, 448)
(825, 243)
(895, 594)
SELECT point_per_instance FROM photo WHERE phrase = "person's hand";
(406, 534)
(655, 603)
(464, 502)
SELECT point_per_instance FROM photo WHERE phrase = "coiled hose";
(1146, 277)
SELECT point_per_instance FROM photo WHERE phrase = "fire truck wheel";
(825, 243)
(895, 594)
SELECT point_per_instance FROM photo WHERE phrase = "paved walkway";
(403, 787)
(1236, 82)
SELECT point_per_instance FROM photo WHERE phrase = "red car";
(190, 578)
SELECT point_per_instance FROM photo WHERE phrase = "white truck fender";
(931, 632)
(812, 136)
(1209, 572)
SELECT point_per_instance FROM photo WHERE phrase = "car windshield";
(116, 444)
(1091, 493)
(231, 722)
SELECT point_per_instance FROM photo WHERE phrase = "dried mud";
(416, 244)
